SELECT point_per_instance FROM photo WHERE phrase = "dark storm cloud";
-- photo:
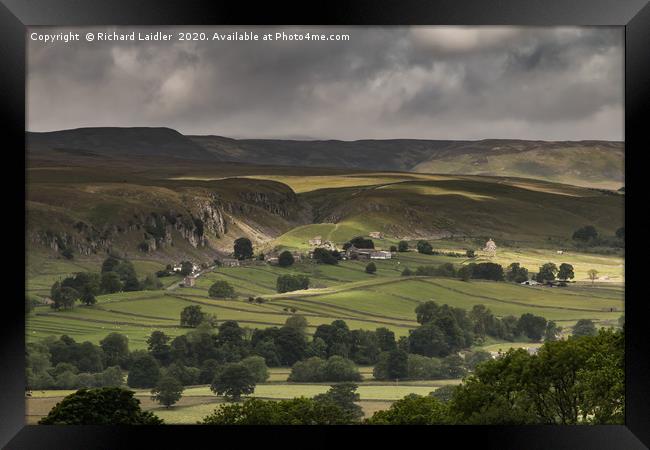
(391, 82)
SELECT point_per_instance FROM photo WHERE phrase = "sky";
(438, 82)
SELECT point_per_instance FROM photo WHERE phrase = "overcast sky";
(385, 82)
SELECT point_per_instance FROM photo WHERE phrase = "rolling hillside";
(598, 164)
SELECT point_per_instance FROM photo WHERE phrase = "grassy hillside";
(583, 163)
(345, 291)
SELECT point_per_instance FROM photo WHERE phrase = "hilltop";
(597, 164)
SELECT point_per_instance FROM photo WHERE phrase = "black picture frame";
(16, 15)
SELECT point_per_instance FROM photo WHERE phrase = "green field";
(344, 291)
(199, 401)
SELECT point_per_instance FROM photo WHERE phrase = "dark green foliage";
(158, 346)
(585, 234)
(116, 349)
(285, 259)
(579, 380)
(412, 410)
(487, 271)
(470, 253)
(385, 339)
(243, 248)
(391, 365)
(168, 391)
(324, 256)
(552, 331)
(192, 316)
(186, 376)
(444, 393)
(532, 326)
(86, 357)
(584, 327)
(221, 289)
(110, 264)
(464, 273)
(144, 371)
(359, 242)
(403, 246)
(620, 233)
(565, 272)
(64, 297)
(288, 283)
(101, 406)
(547, 272)
(257, 366)
(111, 283)
(424, 247)
(186, 268)
(407, 272)
(371, 268)
(290, 345)
(516, 273)
(152, 283)
(473, 359)
(343, 395)
(298, 411)
(233, 381)
(315, 369)
(453, 366)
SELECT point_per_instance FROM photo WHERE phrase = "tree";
(157, 345)
(547, 272)
(298, 411)
(110, 283)
(287, 283)
(192, 316)
(116, 349)
(473, 359)
(412, 410)
(532, 326)
(110, 264)
(359, 242)
(233, 381)
(243, 248)
(100, 406)
(393, 248)
(424, 247)
(465, 273)
(584, 327)
(221, 289)
(470, 253)
(337, 368)
(385, 339)
(290, 345)
(620, 233)
(566, 272)
(407, 272)
(297, 322)
(428, 340)
(371, 268)
(285, 259)
(593, 275)
(257, 366)
(343, 395)
(64, 297)
(308, 370)
(168, 391)
(585, 234)
(324, 256)
(516, 274)
(186, 268)
(552, 331)
(397, 364)
(403, 246)
(487, 271)
(144, 371)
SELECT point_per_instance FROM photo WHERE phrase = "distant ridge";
(117, 142)
(589, 163)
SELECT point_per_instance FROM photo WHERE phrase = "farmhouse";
(230, 262)
(189, 281)
(375, 234)
(529, 283)
(316, 240)
(381, 254)
(358, 253)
